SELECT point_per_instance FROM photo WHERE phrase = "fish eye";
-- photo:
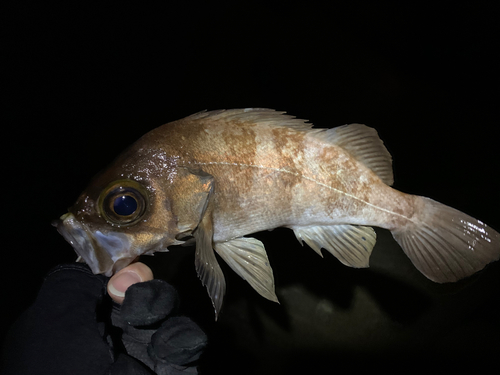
(124, 205)
(123, 202)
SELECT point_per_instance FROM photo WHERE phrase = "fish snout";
(105, 253)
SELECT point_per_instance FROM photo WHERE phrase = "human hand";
(123, 279)
(73, 328)
(169, 345)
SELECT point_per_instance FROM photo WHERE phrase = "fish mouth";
(105, 253)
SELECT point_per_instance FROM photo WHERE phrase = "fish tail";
(445, 244)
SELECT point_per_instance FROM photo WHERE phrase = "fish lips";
(105, 253)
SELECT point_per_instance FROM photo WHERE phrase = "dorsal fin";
(361, 141)
(262, 116)
(364, 144)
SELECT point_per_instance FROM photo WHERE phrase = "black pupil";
(125, 205)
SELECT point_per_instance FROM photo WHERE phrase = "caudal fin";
(445, 244)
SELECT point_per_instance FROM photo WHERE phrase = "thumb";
(122, 280)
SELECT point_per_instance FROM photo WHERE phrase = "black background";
(82, 82)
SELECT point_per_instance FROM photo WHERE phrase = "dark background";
(82, 82)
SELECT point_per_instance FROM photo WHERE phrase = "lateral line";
(304, 177)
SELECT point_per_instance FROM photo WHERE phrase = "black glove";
(74, 328)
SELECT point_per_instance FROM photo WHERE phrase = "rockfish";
(215, 177)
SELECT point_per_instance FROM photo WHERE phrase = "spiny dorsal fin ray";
(350, 244)
(247, 257)
(364, 144)
(261, 116)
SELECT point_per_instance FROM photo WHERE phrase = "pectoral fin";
(247, 257)
(194, 209)
(192, 204)
(350, 244)
(206, 264)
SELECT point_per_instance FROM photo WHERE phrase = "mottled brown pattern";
(257, 169)
(265, 176)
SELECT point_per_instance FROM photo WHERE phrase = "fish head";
(110, 226)
(143, 203)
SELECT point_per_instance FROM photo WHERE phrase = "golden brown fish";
(219, 176)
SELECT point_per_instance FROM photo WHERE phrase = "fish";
(215, 177)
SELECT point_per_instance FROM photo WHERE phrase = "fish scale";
(220, 176)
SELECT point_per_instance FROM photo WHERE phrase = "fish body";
(219, 176)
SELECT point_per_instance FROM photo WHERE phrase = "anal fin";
(350, 244)
(247, 257)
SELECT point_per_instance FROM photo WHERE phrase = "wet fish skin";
(219, 176)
